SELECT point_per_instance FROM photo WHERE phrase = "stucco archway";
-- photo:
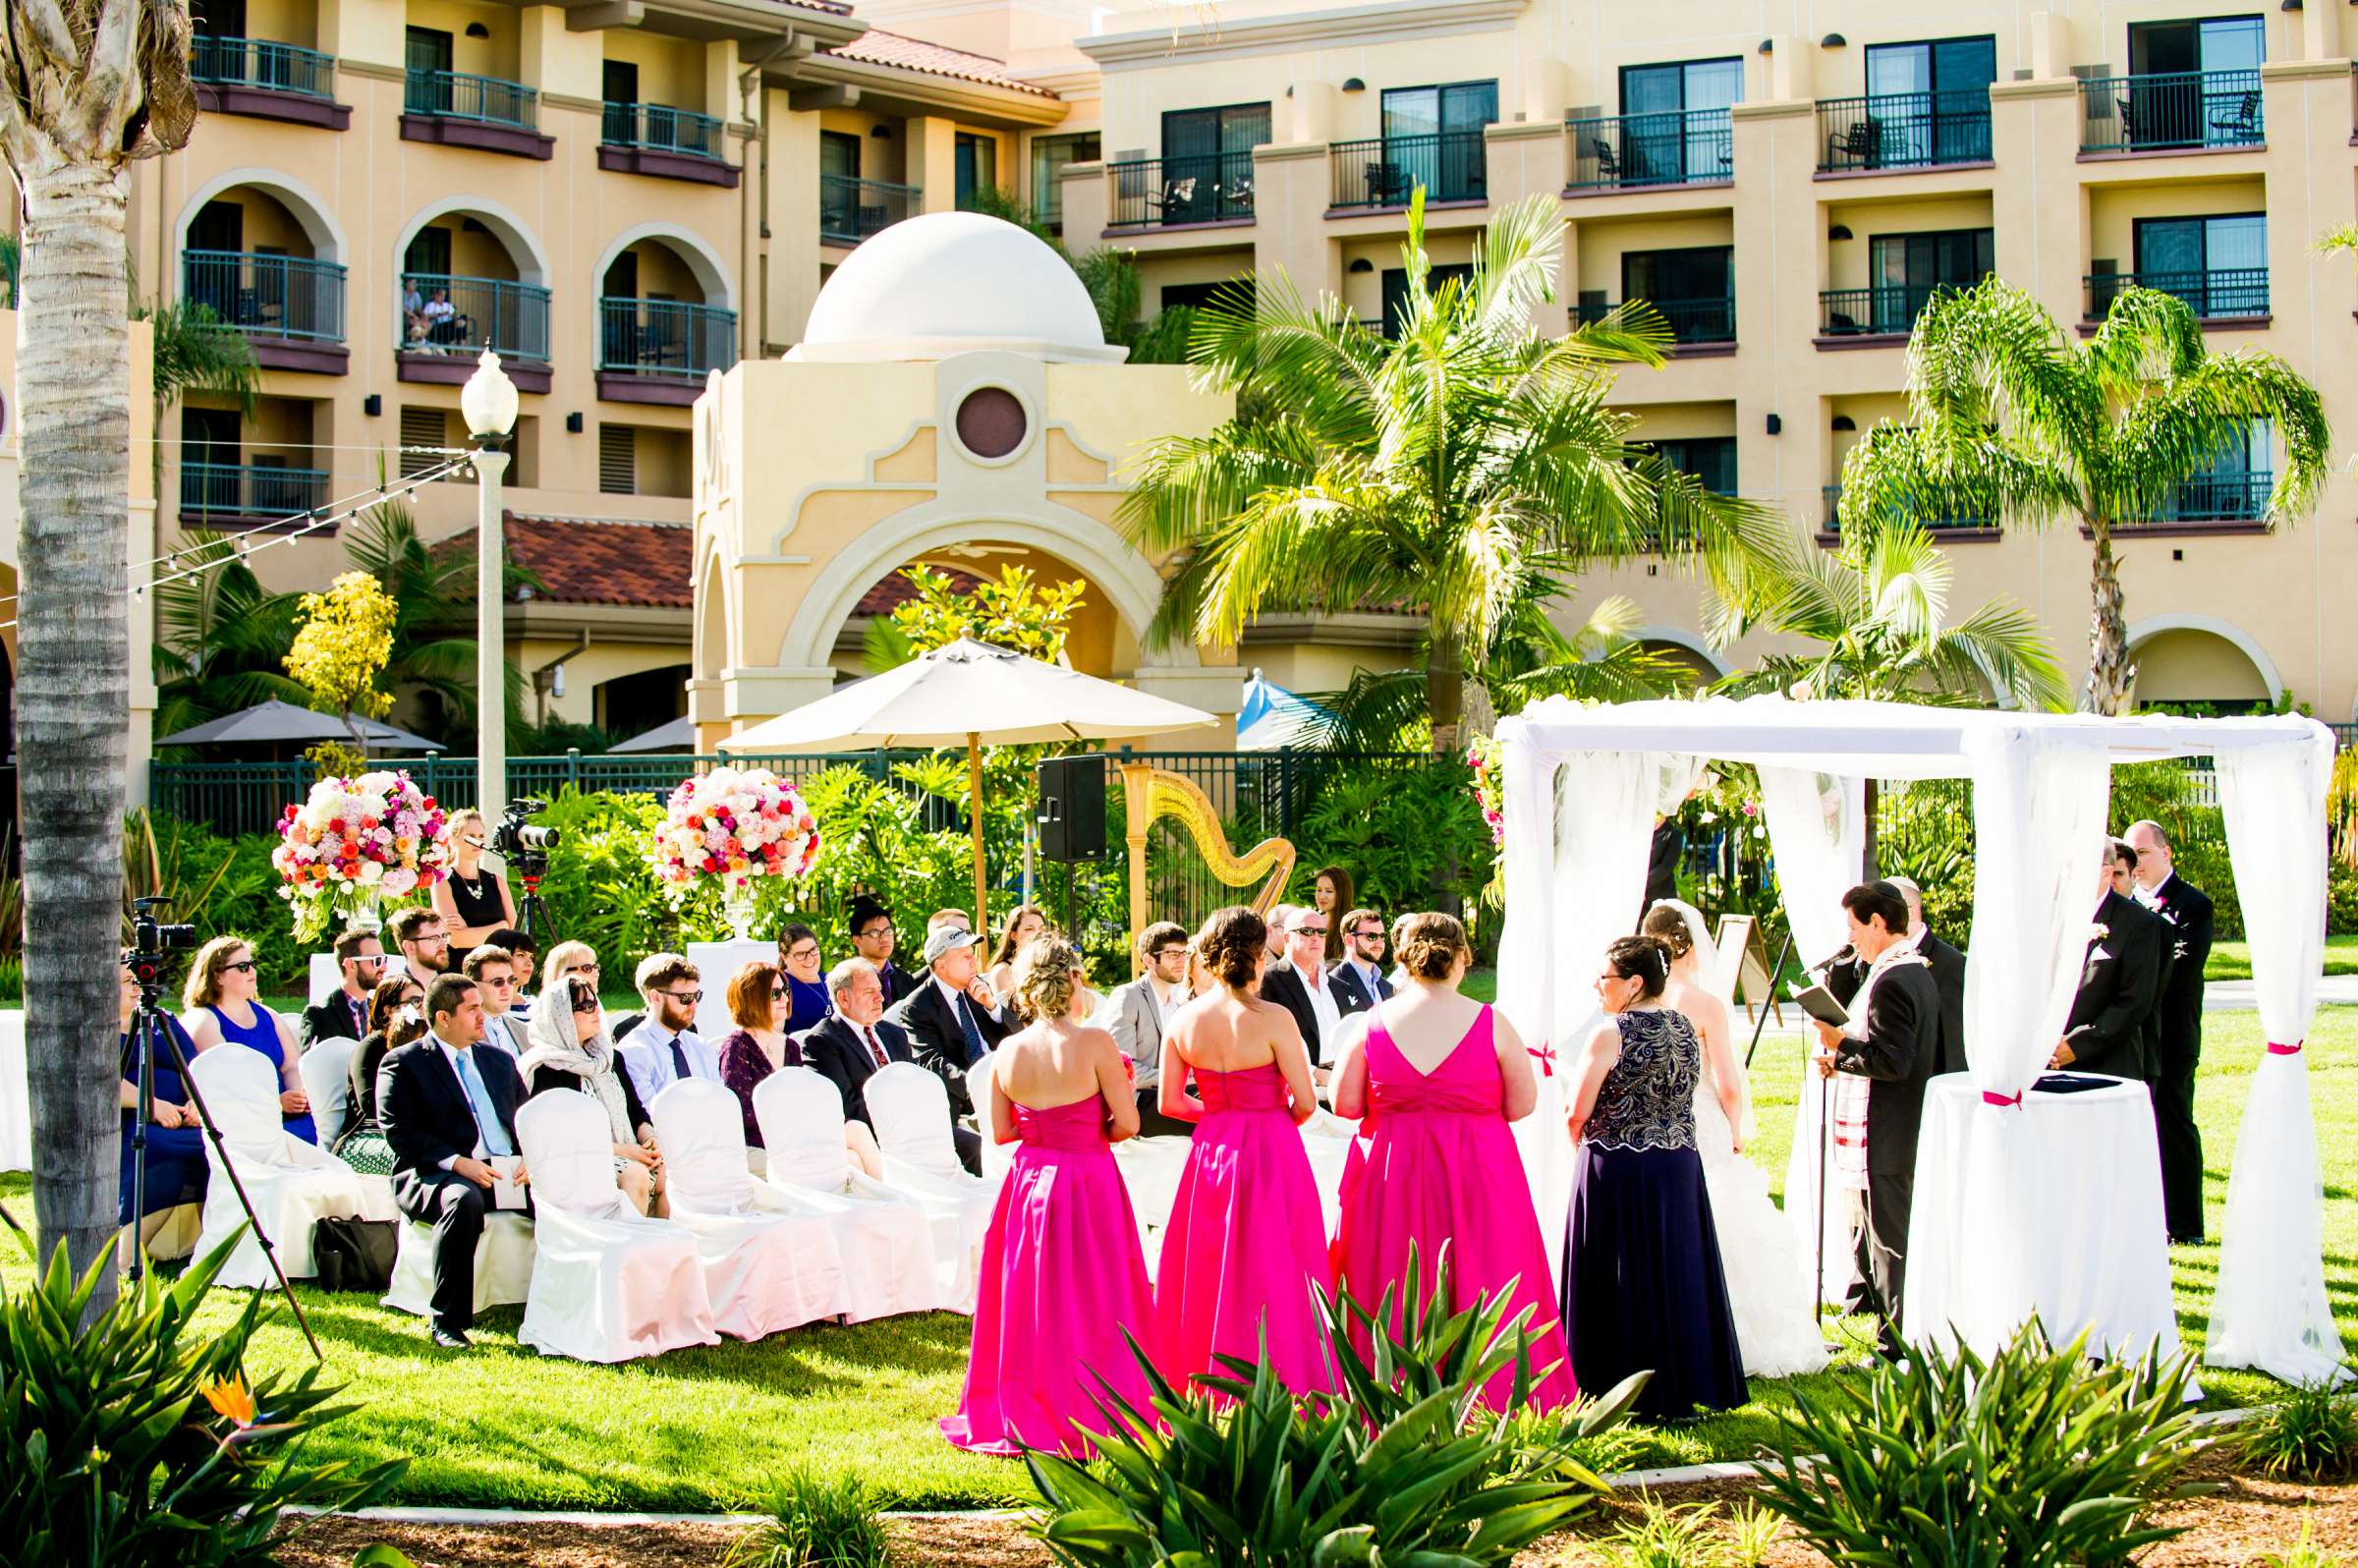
(710, 271)
(308, 207)
(2263, 668)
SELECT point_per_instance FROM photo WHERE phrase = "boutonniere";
(2098, 931)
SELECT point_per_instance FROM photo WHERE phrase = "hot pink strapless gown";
(1441, 1168)
(1062, 1276)
(1246, 1245)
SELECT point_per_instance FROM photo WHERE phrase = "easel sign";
(1744, 966)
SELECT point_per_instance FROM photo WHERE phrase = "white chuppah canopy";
(1575, 865)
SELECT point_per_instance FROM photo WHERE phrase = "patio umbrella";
(672, 735)
(277, 724)
(970, 693)
(1273, 717)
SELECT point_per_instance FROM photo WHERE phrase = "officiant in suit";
(2119, 983)
(2187, 913)
(949, 1017)
(1947, 965)
(1893, 1041)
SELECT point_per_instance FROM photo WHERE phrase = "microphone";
(1849, 953)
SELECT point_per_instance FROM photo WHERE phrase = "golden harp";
(1149, 793)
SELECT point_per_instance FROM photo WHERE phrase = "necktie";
(873, 1049)
(360, 1016)
(679, 1058)
(974, 1048)
(479, 1098)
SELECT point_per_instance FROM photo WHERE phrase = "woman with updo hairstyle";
(1435, 1078)
(1644, 1287)
(1245, 1252)
(1062, 1275)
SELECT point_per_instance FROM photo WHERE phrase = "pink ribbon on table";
(2294, 1049)
(1989, 1099)
(1545, 1056)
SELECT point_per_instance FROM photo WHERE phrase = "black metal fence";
(1198, 187)
(1712, 320)
(1903, 131)
(267, 296)
(1384, 171)
(850, 211)
(2219, 292)
(659, 128)
(260, 62)
(2172, 109)
(1696, 146)
(458, 95)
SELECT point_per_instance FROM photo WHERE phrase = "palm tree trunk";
(74, 701)
(2110, 672)
(1445, 692)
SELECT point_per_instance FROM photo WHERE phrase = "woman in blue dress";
(223, 1009)
(176, 1167)
(799, 957)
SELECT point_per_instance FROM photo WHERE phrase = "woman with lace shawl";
(570, 1049)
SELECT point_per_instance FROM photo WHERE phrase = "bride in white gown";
(1768, 1278)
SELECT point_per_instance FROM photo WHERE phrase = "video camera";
(153, 941)
(523, 844)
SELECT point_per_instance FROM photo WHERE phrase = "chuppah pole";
(1825, 1156)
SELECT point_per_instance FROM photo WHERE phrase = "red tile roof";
(597, 561)
(877, 47)
(894, 591)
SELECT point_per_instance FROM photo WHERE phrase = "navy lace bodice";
(1647, 1099)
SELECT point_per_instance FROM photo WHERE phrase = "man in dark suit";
(1297, 982)
(1949, 975)
(873, 938)
(2118, 983)
(2187, 912)
(1661, 859)
(448, 1110)
(1358, 981)
(851, 1044)
(949, 1019)
(1137, 1014)
(1896, 1046)
(361, 958)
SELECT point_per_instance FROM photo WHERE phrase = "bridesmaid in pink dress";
(1062, 1275)
(1437, 1077)
(1246, 1248)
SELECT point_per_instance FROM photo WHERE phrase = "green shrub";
(2311, 1433)
(133, 1441)
(815, 1521)
(2032, 1458)
(1752, 1530)
(1401, 1466)
(1669, 1537)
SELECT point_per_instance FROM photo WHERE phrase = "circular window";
(992, 423)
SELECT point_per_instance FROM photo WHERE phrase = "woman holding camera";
(473, 901)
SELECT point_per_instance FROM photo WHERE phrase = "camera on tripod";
(152, 940)
(521, 843)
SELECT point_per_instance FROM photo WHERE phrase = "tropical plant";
(343, 638)
(221, 639)
(1662, 1536)
(1007, 611)
(1402, 1465)
(816, 1521)
(1752, 1531)
(132, 1439)
(2036, 1456)
(1878, 608)
(2006, 410)
(2304, 1552)
(195, 351)
(2311, 1433)
(433, 649)
(1467, 467)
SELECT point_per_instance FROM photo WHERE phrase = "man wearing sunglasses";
(1141, 1011)
(360, 960)
(1297, 982)
(1358, 981)
(664, 1049)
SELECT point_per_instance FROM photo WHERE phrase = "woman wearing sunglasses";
(220, 994)
(570, 1051)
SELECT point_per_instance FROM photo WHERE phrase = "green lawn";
(707, 1429)
(2233, 959)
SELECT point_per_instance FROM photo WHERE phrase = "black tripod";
(148, 1025)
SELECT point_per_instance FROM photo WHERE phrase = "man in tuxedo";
(1297, 982)
(2187, 913)
(873, 938)
(448, 1110)
(493, 969)
(1949, 975)
(1893, 1041)
(424, 945)
(1142, 1010)
(2119, 979)
(948, 1017)
(360, 959)
(1280, 915)
(665, 1046)
(1661, 859)
(1358, 981)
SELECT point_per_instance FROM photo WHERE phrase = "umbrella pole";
(974, 784)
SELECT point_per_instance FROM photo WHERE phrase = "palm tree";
(1468, 467)
(86, 87)
(1878, 609)
(432, 651)
(2004, 406)
(221, 639)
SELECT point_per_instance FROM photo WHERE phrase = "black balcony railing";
(850, 211)
(1891, 308)
(2221, 291)
(2233, 496)
(656, 127)
(456, 96)
(1385, 171)
(267, 296)
(258, 63)
(2175, 109)
(1903, 129)
(446, 314)
(665, 337)
(1200, 188)
(1712, 320)
(1696, 147)
(1942, 514)
(235, 490)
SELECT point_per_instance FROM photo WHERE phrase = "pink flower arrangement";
(1490, 787)
(735, 825)
(355, 842)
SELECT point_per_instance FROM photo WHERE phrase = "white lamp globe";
(489, 401)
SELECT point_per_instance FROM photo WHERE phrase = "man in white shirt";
(1141, 1011)
(665, 1046)
(1358, 981)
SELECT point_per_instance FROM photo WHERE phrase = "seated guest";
(806, 987)
(421, 939)
(570, 1051)
(1024, 922)
(447, 1111)
(385, 1005)
(1358, 981)
(760, 1045)
(361, 1144)
(494, 969)
(1297, 982)
(360, 963)
(526, 953)
(1142, 1010)
(2119, 978)
(223, 1010)
(571, 958)
(176, 1167)
(950, 917)
(852, 1043)
(948, 1020)
(663, 1044)
(873, 938)
(1280, 916)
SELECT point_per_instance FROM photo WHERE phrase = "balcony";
(1693, 322)
(659, 351)
(448, 321)
(1450, 165)
(2237, 497)
(2227, 295)
(664, 143)
(1200, 188)
(2173, 112)
(268, 81)
(459, 110)
(850, 211)
(1884, 312)
(1952, 523)
(1696, 146)
(1903, 131)
(227, 495)
(289, 307)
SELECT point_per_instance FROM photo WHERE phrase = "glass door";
(1432, 138)
(1694, 289)
(2217, 265)
(1208, 162)
(1909, 267)
(1675, 125)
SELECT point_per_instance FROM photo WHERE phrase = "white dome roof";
(951, 283)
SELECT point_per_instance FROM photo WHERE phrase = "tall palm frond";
(195, 351)
(220, 637)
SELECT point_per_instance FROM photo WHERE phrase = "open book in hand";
(1819, 1004)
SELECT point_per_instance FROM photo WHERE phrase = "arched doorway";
(2203, 664)
(1097, 642)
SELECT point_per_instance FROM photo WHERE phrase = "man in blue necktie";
(449, 1111)
(662, 1046)
(950, 1019)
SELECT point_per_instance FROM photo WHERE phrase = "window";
(617, 460)
(1677, 122)
(1710, 459)
(1208, 162)
(2209, 43)
(1929, 102)
(2234, 486)
(1432, 138)
(220, 18)
(1694, 289)
(1395, 289)
(978, 167)
(1195, 295)
(1049, 155)
(211, 444)
(839, 155)
(428, 253)
(622, 81)
(1908, 267)
(426, 50)
(2191, 84)
(2217, 265)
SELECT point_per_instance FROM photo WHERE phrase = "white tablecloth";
(16, 1097)
(2055, 1207)
(716, 963)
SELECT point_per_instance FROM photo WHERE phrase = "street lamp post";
(488, 402)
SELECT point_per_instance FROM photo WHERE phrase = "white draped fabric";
(2271, 1311)
(885, 1241)
(293, 1184)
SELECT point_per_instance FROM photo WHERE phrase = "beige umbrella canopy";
(970, 693)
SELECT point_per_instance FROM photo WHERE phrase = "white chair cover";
(608, 1284)
(766, 1267)
(996, 1156)
(293, 1184)
(909, 1111)
(326, 1070)
(886, 1241)
(16, 1096)
(503, 1264)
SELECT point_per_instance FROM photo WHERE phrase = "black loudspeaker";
(1072, 808)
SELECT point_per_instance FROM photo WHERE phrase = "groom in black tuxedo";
(2187, 913)
(2119, 983)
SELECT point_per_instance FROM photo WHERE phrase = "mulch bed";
(2242, 1523)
